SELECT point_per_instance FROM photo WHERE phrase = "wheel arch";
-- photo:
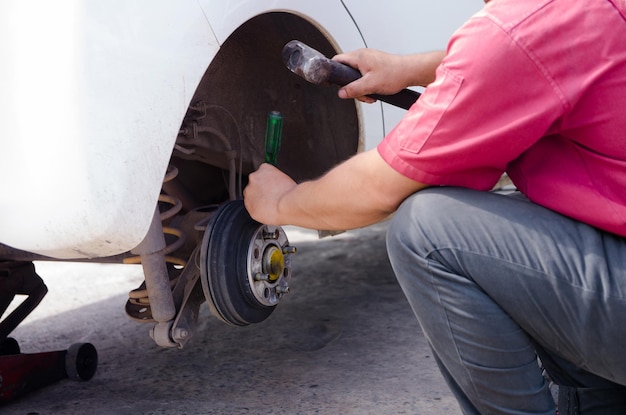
(246, 80)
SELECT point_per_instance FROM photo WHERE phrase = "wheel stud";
(289, 250)
(261, 277)
(271, 235)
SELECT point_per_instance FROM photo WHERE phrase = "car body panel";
(409, 26)
(92, 100)
(94, 94)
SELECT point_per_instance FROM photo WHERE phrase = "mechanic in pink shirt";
(536, 89)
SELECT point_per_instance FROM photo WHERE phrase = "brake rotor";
(245, 266)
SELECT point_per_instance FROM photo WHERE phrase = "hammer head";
(307, 62)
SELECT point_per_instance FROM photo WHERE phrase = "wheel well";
(227, 117)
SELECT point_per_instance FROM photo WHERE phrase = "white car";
(128, 129)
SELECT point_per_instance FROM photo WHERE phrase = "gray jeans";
(496, 280)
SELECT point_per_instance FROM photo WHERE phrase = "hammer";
(316, 68)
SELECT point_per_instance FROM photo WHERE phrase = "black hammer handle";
(316, 68)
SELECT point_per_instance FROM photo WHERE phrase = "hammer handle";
(341, 74)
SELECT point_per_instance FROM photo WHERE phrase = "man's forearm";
(359, 192)
(421, 67)
(332, 202)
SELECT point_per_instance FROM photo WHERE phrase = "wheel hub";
(245, 266)
(269, 269)
(273, 263)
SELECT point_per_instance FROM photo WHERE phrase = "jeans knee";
(409, 233)
(398, 233)
(415, 221)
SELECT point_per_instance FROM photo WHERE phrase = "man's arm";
(361, 191)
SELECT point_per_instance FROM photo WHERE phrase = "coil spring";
(176, 206)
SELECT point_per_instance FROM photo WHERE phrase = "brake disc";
(245, 266)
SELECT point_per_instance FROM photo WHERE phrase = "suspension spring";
(174, 205)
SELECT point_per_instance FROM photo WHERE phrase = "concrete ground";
(344, 341)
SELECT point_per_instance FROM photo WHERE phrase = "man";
(534, 88)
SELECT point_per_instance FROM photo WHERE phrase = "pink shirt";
(536, 88)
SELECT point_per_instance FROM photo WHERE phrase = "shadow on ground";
(343, 342)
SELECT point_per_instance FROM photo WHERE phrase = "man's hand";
(378, 70)
(266, 187)
(385, 73)
(358, 192)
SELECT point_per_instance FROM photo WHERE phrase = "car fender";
(93, 96)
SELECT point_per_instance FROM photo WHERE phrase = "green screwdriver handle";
(273, 133)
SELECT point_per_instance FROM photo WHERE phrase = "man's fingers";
(357, 89)
(347, 59)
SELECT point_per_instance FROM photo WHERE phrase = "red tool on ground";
(21, 373)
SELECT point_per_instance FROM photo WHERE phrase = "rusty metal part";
(156, 274)
(158, 260)
(269, 264)
(188, 298)
(316, 68)
(193, 138)
(235, 253)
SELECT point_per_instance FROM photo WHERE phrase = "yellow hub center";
(273, 263)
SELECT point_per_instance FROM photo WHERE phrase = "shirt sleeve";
(489, 102)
